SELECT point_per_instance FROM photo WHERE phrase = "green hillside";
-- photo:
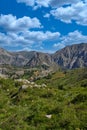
(59, 104)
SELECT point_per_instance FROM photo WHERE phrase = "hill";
(55, 102)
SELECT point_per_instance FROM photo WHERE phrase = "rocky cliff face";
(5, 57)
(30, 59)
(74, 56)
(40, 59)
(69, 57)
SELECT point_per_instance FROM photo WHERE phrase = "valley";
(56, 101)
(44, 91)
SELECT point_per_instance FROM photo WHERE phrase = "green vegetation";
(62, 105)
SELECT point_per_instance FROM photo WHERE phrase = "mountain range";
(74, 56)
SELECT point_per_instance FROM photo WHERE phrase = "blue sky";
(42, 25)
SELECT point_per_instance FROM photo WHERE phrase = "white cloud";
(59, 3)
(40, 36)
(35, 3)
(18, 33)
(47, 3)
(58, 45)
(46, 15)
(27, 2)
(76, 12)
(75, 37)
(63, 10)
(11, 23)
(44, 3)
(63, 14)
(26, 39)
(12, 40)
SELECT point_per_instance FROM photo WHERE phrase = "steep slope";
(30, 59)
(22, 57)
(74, 56)
(41, 59)
(11, 58)
(5, 57)
(38, 59)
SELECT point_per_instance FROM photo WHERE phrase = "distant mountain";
(28, 59)
(5, 57)
(41, 59)
(74, 56)
(11, 58)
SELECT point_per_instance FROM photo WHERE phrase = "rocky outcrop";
(74, 56)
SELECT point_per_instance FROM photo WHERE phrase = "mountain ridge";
(74, 56)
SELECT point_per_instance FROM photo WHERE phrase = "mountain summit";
(74, 56)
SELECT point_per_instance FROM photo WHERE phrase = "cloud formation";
(76, 12)
(27, 39)
(27, 32)
(46, 15)
(59, 3)
(63, 10)
(11, 23)
(47, 3)
(18, 32)
(39, 36)
(75, 37)
(27, 2)
(35, 3)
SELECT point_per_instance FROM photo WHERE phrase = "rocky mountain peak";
(74, 56)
